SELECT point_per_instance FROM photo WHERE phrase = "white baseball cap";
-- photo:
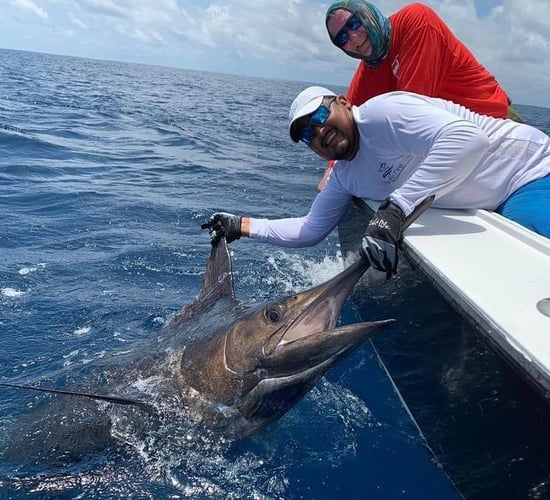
(306, 102)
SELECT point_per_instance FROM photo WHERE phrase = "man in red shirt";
(412, 50)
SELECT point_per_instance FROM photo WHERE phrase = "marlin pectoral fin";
(99, 397)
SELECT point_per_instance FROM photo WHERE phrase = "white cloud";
(513, 43)
(78, 23)
(104, 7)
(30, 6)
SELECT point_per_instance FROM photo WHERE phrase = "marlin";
(233, 366)
(246, 365)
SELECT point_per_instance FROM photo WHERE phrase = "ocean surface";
(107, 171)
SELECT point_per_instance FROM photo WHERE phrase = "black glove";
(223, 224)
(383, 236)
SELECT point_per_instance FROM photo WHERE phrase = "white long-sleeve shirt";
(412, 146)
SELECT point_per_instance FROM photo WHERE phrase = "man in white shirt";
(402, 147)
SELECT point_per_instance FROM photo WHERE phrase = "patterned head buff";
(375, 23)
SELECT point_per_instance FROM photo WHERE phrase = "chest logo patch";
(389, 173)
(395, 67)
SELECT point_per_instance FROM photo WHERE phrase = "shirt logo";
(390, 173)
(395, 67)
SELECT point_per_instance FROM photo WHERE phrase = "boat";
(473, 387)
(493, 271)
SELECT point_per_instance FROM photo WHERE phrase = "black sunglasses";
(342, 37)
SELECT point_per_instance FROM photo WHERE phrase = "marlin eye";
(273, 315)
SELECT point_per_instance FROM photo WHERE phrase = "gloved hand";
(383, 237)
(223, 224)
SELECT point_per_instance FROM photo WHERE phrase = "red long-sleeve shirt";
(427, 58)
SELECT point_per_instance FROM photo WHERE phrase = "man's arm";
(326, 211)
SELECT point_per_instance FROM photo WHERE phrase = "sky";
(283, 39)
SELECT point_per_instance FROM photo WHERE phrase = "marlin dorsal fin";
(218, 277)
(217, 281)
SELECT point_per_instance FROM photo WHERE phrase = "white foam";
(295, 272)
(81, 331)
(148, 385)
(71, 354)
(27, 270)
(12, 292)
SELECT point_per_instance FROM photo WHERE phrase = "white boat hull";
(493, 271)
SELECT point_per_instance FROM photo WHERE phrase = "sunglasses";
(342, 37)
(318, 119)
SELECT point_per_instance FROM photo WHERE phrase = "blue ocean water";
(106, 172)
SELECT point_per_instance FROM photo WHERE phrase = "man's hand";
(383, 237)
(223, 224)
